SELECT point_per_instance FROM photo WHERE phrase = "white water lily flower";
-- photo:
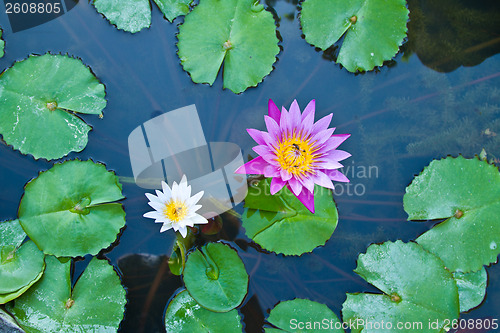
(175, 207)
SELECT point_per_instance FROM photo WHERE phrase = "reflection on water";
(400, 118)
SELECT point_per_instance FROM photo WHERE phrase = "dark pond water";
(422, 105)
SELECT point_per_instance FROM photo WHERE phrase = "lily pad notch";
(240, 33)
(39, 99)
(373, 30)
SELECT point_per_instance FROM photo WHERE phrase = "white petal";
(154, 215)
(183, 231)
(163, 198)
(166, 189)
(194, 208)
(165, 227)
(195, 198)
(157, 205)
(198, 219)
(152, 197)
(184, 179)
(175, 191)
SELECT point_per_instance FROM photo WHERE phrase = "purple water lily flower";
(297, 152)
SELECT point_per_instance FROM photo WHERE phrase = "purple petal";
(284, 122)
(321, 137)
(338, 155)
(323, 123)
(336, 175)
(285, 175)
(273, 111)
(306, 125)
(309, 110)
(262, 150)
(322, 180)
(307, 199)
(272, 127)
(294, 115)
(308, 183)
(333, 142)
(295, 185)
(276, 185)
(257, 135)
(253, 167)
(329, 164)
(271, 171)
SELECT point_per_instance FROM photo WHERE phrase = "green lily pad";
(416, 287)
(216, 277)
(273, 220)
(11, 233)
(135, 15)
(37, 99)
(373, 29)
(20, 268)
(95, 304)
(465, 192)
(68, 210)
(184, 315)
(471, 288)
(300, 315)
(239, 32)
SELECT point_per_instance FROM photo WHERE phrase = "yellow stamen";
(296, 154)
(175, 210)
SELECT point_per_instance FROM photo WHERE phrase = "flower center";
(175, 210)
(296, 155)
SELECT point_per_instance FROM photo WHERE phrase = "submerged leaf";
(69, 210)
(273, 220)
(95, 304)
(467, 193)
(286, 316)
(471, 288)
(373, 29)
(416, 288)
(184, 315)
(37, 99)
(216, 277)
(239, 32)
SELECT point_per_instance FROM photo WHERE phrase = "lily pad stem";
(212, 270)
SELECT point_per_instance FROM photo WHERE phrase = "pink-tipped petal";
(257, 135)
(329, 164)
(253, 167)
(322, 180)
(309, 110)
(273, 111)
(262, 150)
(285, 175)
(338, 155)
(284, 122)
(307, 199)
(337, 139)
(294, 115)
(323, 123)
(336, 175)
(272, 127)
(322, 136)
(307, 123)
(295, 185)
(308, 183)
(271, 171)
(276, 185)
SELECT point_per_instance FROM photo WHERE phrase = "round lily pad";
(373, 29)
(416, 287)
(38, 98)
(239, 33)
(471, 288)
(95, 304)
(216, 277)
(69, 211)
(184, 315)
(303, 315)
(272, 221)
(20, 268)
(465, 192)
